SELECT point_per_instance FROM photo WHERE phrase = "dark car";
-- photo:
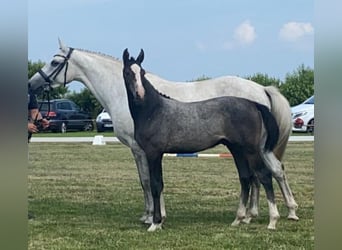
(64, 115)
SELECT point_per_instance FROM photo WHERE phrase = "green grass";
(89, 197)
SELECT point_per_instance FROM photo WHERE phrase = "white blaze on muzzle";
(139, 88)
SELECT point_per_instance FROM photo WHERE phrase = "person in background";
(34, 116)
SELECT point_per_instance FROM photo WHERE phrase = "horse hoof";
(293, 217)
(272, 225)
(143, 218)
(154, 227)
(146, 219)
(235, 223)
(149, 220)
(247, 220)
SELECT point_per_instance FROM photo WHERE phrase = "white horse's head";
(55, 73)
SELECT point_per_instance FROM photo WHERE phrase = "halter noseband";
(50, 78)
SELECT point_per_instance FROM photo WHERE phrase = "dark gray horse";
(164, 125)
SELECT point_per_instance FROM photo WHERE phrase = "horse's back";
(211, 88)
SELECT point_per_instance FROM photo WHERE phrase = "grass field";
(89, 197)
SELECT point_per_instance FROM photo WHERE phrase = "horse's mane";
(98, 53)
(153, 87)
(163, 95)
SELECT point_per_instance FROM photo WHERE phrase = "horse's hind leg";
(265, 177)
(245, 181)
(253, 209)
(278, 173)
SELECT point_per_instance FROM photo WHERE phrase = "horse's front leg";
(157, 185)
(144, 176)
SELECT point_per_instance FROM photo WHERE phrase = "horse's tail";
(271, 127)
(281, 111)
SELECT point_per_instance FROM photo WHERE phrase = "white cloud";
(245, 33)
(293, 31)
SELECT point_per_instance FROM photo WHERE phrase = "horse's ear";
(62, 46)
(140, 58)
(125, 56)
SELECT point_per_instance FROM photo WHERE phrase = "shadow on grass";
(125, 216)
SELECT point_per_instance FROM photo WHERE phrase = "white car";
(104, 122)
(303, 116)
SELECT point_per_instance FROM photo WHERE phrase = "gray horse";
(164, 125)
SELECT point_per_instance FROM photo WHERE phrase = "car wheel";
(88, 126)
(63, 127)
(311, 126)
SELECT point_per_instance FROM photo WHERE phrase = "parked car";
(64, 115)
(303, 116)
(104, 122)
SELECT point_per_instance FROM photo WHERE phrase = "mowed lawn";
(89, 197)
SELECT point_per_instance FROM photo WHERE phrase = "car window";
(64, 106)
(75, 107)
(311, 100)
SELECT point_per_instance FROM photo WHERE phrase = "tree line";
(297, 87)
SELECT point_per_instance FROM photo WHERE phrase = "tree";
(33, 67)
(299, 85)
(264, 79)
(86, 100)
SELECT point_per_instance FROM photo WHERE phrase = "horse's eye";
(54, 63)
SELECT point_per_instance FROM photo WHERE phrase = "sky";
(182, 39)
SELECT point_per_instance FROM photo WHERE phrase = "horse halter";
(50, 78)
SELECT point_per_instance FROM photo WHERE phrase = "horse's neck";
(143, 107)
(153, 96)
(103, 77)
